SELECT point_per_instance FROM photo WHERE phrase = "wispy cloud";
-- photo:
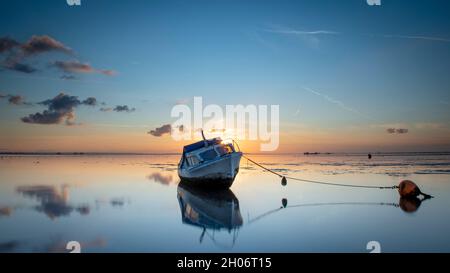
(414, 37)
(78, 67)
(286, 30)
(289, 31)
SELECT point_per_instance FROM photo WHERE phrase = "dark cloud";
(397, 131)
(19, 67)
(91, 101)
(60, 108)
(40, 44)
(17, 53)
(73, 67)
(53, 202)
(15, 99)
(77, 67)
(46, 117)
(62, 102)
(7, 44)
(158, 132)
(68, 77)
(123, 108)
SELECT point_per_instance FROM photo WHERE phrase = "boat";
(211, 211)
(209, 163)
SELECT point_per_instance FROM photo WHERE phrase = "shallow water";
(134, 204)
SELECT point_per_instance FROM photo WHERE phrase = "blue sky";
(369, 67)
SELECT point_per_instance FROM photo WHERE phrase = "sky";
(348, 77)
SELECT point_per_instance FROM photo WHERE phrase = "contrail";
(299, 32)
(340, 104)
(428, 38)
(284, 30)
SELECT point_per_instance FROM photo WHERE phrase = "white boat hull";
(215, 173)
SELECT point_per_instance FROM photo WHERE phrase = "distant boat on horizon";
(209, 163)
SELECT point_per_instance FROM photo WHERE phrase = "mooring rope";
(319, 182)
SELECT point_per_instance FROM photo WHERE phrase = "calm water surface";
(134, 204)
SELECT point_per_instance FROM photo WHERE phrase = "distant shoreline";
(306, 154)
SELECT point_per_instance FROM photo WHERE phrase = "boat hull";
(219, 173)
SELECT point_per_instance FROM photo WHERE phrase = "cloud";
(158, 132)
(161, 178)
(7, 44)
(286, 30)
(311, 37)
(40, 44)
(68, 77)
(15, 99)
(418, 37)
(60, 108)
(78, 67)
(18, 52)
(397, 131)
(299, 32)
(106, 109)
(123, 108)
(53, 202)
(91, 101)
(47, 117)
(19, 67)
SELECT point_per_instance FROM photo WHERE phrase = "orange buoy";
(410, 204)
(409, 189)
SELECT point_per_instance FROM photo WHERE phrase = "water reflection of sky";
(134, 204)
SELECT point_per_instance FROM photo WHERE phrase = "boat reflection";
(210, 210)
